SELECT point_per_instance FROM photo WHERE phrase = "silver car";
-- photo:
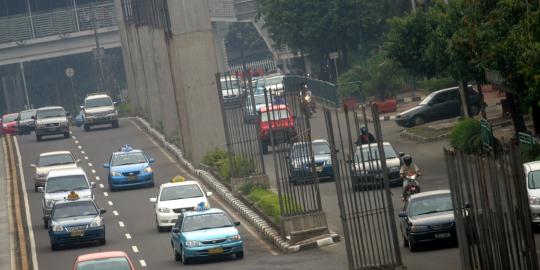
(532, 176)
(99, 109)
(46, 162)
(51, 121)
(366, 168)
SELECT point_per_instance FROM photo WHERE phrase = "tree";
(243, 37)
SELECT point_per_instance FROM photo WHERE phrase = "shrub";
(530, 154)
(267, 201)
(434, 84)
(466, 136)
(125, 109)
(243, 167)
(214, 157)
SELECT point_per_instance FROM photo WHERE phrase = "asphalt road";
(130, 224)
(428, 156)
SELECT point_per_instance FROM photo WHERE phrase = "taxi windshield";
(118, 263)
(180, 192)
(66, 183)
(26, 115)
(74, 209)
(128, 159)
(50, 113)
(98, 102)
(53, 160)
(372, 153)
(431, 204)
(275, 115)
(206, 222)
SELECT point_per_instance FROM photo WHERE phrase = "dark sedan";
(428, 217)
(441, 104)
(26, 123)
(300, 161)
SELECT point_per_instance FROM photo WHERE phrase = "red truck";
(281, 119)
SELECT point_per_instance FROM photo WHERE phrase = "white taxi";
(174, 198)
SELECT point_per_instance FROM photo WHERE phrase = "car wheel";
(185, 260)
(474, 110)
(405, 242)
(239, 255)
(112, 188)
(102, 241)
(86, 127)
(55, 246)
(115, 124)
(177, 257)
(35, 189)
(412, 246)
(418, 120)
(38, 138)
(152, 184)
(264, 147)
(66, 135)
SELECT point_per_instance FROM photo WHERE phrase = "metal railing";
(56, 22)
(265, 65)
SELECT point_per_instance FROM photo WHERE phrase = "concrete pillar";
(219, 30)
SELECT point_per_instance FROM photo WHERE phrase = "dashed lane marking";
(82, 152)
(74, 137)
(77, 142)
(105, 194)
(101, 186)
(115, 212)
(135, 249)
(97, 178)
(86, 157)
(110, 203)
(128, 236)
(143, 263)
(93, 171)
(78, 146)
(121, 224)
(90, 164)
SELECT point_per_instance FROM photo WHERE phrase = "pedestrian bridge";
(70, 30)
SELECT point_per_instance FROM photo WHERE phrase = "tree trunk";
(515, 112)
(536, 118)
(464, 99)
(482, 103)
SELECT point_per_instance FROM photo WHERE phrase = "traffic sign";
(70, 72)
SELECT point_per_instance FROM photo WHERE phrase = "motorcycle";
(412, 186)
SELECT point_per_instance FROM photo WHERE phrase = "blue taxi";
(76, 220)
(129, 168)
(205, 233)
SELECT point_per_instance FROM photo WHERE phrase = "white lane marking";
(101, 186)
(115, 212)
(82, 152)
(135, 249)
(86, 157)
(93, 171)
(128, 236)
(105, 194)
(110, 203)
(97, 178)
(27, 208)
(223, 206)
(77, 142)
(143, 263)
(78, 146)
(70, 132)
(74, 137)
(90, 164)
(121, 224)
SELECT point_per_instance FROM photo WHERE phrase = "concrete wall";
(172, 82)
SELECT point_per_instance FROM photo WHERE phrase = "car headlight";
(534, 200)
(419, 228)
(394, 169)
(328, 162)
(41, 175)
(64, 124)
(40, 125)
(191, 243)
(164, 210)
(97, 222)
(57, 228)
(235, 238)
(148, 170)
(116, 174)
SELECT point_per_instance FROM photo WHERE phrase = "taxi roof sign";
(178, 179)
(201, 206)
(126, 148)
(72, 196)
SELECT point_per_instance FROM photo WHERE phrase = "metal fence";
(491, 209)
(56, 22)
(363, 187)
(266, 66)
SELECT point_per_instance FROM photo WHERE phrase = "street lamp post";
(98, 49)
(70, 72)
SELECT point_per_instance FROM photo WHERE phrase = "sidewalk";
(5, 235)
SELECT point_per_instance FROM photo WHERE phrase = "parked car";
(99, 109)
(281, 119)
(51, 121)
(300, 164)
(366, 168)
(250, 115)
(386, 106)
(532, 176)
(117, 260)
(231, 89)
(26, 123)
(428, 217)
(441, 104)
(9, 124)
(48, 161)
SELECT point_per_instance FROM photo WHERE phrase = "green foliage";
(530, 154)
(466, 136)
(219, 159)
(214, 157)
(125, 109)
(267, 201)
(243, 37)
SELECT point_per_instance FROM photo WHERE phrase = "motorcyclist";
(365, 137)
(305, 94)
(408, 168)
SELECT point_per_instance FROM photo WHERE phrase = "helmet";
(364, 130)
(407, 159)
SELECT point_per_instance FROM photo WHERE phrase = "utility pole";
(98, 55)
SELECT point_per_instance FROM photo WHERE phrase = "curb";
(382, 118)
(408, 99)
(326, 241)
(419, 138)
(261, 225)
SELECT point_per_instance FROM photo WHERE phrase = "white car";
(46, 162)
(174, 198)
(532, 176)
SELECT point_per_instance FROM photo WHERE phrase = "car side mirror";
(41, 189)
(401, 154)
(337, 150)
(237, 223)
(106, 165)
(175, 230)
(82, 107)
(33, 165)
(68, 114)
(93, 184)
(77, 161)
(402, 215)
(209, 194)
(33, 118)
(151, 160)
(115, 103)
(102, 211)
(153, 200)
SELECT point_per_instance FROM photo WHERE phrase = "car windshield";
(229, 84)
(53, 160)
(428, 99)
(9, 118)
(372, 153)
(206, 222)
(74, 209)
(180, 192)
(128, 158)
(98, 102)
(50, 113)
(319, 148)
(259, 99)
(25, 115)
(534, 179)
(274, 81)
(430, 204)
(117, 263)
(66, 183)
(275, 115)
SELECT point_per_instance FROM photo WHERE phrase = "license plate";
(319, 169)
(77, 233)
(442, 235)
(132, 177)
(214, 251)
